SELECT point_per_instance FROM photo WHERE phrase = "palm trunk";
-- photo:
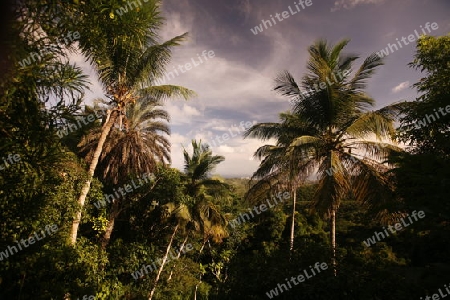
(87, 185)
(178, 256)
(201, 275)
(162, 264)
(196, 287)
(333, 239)
(111, 221)
(294, 192)
(203, 246)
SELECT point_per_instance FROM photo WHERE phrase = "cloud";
(181, 113)
(349, 4)
(237, 152)
(403, 85)
(95, 88)
(225, 149)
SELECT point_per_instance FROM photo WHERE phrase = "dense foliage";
(169, 234)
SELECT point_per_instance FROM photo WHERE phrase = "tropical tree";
(423, 171)
(279, 168)
(135, 149)
(181, 217)
(425, 123)
(338, 125)
(129, 58)
(201, 188)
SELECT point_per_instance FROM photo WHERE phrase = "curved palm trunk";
(201, 275)
(294, 193)
(178, 256)
(333, 239)
(111, 221)
(87, 185)
(163, 263)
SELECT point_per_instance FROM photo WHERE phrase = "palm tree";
(338, 123)
(198, 167)
(129, 59)
(135, 149)
(279, 168)
(200, 188)
(180, 214)
(201, 212)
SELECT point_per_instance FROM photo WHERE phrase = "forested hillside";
(349, 200)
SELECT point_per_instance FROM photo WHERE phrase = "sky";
(234, 79)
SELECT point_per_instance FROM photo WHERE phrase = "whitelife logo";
(424, 123)
(86, 120)
(36, 57)
(50, 229)
(225, 137)
(438, 296)
(379, 235)
(124, 9)
(86, 297)
(274, 292)
(171, 256)
(187, 66)
(127, 188)
(336, 77)
(12, 159)
(280, 17)
(411, 38)
(240, 219)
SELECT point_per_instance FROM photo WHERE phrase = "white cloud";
(400, 87)
(95, 88)
(212, 80)
(349, 4)
(225, 149)
(237, 152)
(239, 162)
(177, 24)
(181, 113)
(220, 128)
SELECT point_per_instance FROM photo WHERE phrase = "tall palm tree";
(199, 186)
(129, 58)
(135, 149)
(201, 212)
(338, 123)
(279, 168)
(181, 216)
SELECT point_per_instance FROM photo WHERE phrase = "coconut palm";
(135, 149)
(201, 188)
(181, 217)
(337, 125)
(201, 212)
(129, 58)
(279, 168)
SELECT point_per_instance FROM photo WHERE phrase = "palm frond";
(379, 123)
(263, 131)
(366, 70)
(163, 92)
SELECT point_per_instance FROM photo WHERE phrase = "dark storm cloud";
(237, 85)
